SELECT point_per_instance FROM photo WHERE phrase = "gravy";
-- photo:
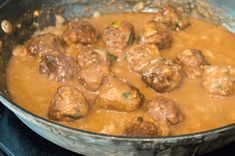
(34, 91)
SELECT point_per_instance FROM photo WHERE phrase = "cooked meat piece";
(156, 33)
(79, 32)
(139, 56)
(68, 104)
(44, 44)
(192, 62)
(169, 16)
(164, 109)
(89, 55)
(58, 67)
(142, 127)
(118, 35)
(219, 80)
(117, 95)
(93, 76)
(162, 75)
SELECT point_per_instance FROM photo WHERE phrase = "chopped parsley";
(116, 24)
(126, 95)
(220, 87)
(131, 38)
(111, 58)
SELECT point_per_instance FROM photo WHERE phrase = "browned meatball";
(139, 56)
(89, 55)
(219, 80)
(163, 75)
(118, 35)
(169, 16)
(142, 127)
(68, 104)
(93, 76)
(79, 32)
(44, 44)
(164, 109)
(59, 67)
(192, 62)
(156, 33)
(117, 95)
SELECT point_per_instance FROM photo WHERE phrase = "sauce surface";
(34, 91)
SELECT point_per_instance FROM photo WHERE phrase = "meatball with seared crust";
(162, 75)
(164, 109)
(58, 67)
(139, 56)
(93, 76)
(116, 95)
(169, 16)
(68, 104)
(156, 33)
(219, 80)
(192, 62)
(43, 44)
(89, 55)
(142, 127)
(118, 36)
(79, 32)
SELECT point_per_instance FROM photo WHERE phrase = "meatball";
(118, 35)
(139, 56)
(156, 33)
(68, 104)
(169, 16)
(59, 67)
(79, 32)
(164, 109)
(44, 44)
(219, 80)
(192, 62)
(119, 96)
(163, 75)
(93, 76)
(142, 127)
(89, 55)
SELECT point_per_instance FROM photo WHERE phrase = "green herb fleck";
(220, 87)
(126, 95)
(131, 38)
(116, 24)
(111, 58)
(73, 116)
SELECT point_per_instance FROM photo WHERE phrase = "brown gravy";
(34, 91)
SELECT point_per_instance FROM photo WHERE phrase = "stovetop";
(18, 140)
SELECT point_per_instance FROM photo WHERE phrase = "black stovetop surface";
(17, 139)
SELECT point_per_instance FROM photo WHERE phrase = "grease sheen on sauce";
(34, 91)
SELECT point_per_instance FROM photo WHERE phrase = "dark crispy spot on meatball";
(68, 104)
(79, 32)
(139, 56)
(219, 80)
(58, 67)
(156, 33)
(142, 127)
(169, 16)
(44, 44)
(114, 94)
(164, 109)
(192, 62)
(118, 36)
(162, 75)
